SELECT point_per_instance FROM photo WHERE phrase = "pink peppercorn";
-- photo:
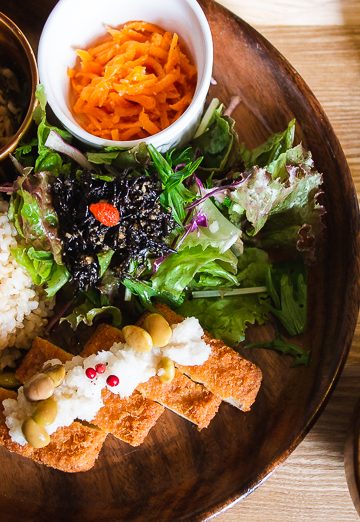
(90, 373)
(112, 380)
(100, 368)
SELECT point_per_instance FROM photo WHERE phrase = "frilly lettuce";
(271, 150)
(280, 206)
(229, 317)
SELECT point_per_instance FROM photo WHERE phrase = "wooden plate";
(352, 458)
(179, 473)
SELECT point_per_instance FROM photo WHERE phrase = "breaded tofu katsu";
(194, 392)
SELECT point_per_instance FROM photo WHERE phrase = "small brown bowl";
(17, 54)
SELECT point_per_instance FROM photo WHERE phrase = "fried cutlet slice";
(72, 449)
(188, 399)
(130, 419)
(225, 373)
(41, 351)
(182, 396)
(102, 339)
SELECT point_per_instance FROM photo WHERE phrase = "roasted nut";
(45, 412)
(137, 338)
(166, 370)
(39, 388)
(158, 328)
(56, 372)
(36, 435)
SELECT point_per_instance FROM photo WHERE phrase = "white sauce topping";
(186, 346)
(79, 397)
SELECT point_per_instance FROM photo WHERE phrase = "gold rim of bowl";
(34, 80)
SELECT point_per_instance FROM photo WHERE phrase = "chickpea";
(56, 373)
(159, 329)
(36, 435)
(39, 388)
(166, 370)
(137, 338)
(46, 412)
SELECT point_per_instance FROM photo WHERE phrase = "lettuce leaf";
(91, 305)
(42, 268)
(33, 215)
(256, 197)
(253, 267)
(281, 345)
(121, 159)
(218, 143)
(288, 290)
(146, 293)
(271, 150)
(35, 153)
(297, 221)
(227, 318)
(220, 232)
(183, 269)
(281, 212)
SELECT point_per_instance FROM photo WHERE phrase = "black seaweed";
(141, 233)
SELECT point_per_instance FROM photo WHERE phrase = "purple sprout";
(198, 221)
(216, 191)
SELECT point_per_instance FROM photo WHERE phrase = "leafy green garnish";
(175, 195)
(104, 259)
(270, 150)
(121, 159)
(24, 212)
(194, 267)
(217, 142)
(33, 215)
(281, 345)
(253, 266)
(220, 232)
(91, 305)
(281, 212)
(45, 159)
(42, 268)
(229, 317)
(288, 290)
(147, 293)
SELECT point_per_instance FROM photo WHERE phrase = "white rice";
(24, 307)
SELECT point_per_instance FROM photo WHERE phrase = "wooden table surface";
(321, 39)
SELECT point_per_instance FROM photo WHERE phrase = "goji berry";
(106, 213)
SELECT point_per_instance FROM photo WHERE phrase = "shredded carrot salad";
(133, 84)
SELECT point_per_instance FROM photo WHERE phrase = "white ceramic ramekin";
(75, 24)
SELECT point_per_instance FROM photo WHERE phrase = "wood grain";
(220, 457)
(311, 485)
(296, 12)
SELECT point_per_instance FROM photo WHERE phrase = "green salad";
(213, 229)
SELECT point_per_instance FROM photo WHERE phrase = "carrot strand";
(133, 83)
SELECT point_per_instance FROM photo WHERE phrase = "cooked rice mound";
(24, 308)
